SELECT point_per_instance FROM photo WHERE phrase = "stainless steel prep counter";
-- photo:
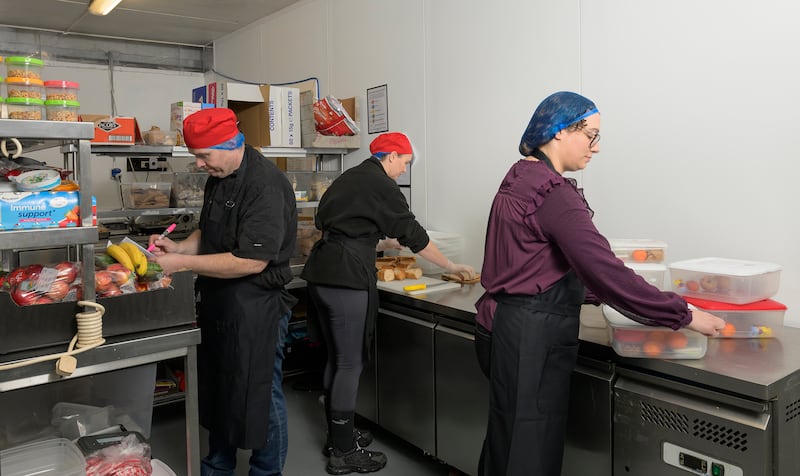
(734, 412)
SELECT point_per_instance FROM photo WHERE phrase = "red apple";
(67, 271)
(24, 293)
(33, 270)
(15, 277)
(57, 291)
(43, 299)
(103, 280)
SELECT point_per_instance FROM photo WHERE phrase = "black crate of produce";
(45, 325)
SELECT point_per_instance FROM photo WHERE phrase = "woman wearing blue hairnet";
(543, 259)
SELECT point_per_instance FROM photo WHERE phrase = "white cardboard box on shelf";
(263, 111)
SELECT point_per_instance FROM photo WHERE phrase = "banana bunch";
(130, 256)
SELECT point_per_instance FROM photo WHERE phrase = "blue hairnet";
(231, 144)
(557, 112)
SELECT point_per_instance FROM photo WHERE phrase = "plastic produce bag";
(128, 458)
(331, 118)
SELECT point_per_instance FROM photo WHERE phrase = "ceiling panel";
(189, 22)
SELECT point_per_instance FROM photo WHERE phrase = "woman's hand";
(460, 268)
(705, 323)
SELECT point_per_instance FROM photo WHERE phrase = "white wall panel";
(700, 128)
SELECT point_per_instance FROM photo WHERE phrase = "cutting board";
(434, 285)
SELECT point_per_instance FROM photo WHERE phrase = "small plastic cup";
(24, 67)
(24, 88)
(25, 108)
(57, 90)
(64, 111)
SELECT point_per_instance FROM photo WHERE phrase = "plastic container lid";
(55, 457)
(708, 305)
(25, 101)
(616, 318)
(646, 266)
(38, 180)
(61, 103)
(733, 267)
(24, 82)
(24, 60)
(55, 83)
(635, 243)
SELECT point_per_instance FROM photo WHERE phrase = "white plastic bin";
(55, 457)
(726, 280)
(628, 338)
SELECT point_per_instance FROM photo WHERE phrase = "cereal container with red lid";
(57, 90)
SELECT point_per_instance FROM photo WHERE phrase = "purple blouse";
(539, 228)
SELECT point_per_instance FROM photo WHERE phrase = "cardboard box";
(26, 210)
(113, 130)
(312, 138)
(200, 94)
(262, 110)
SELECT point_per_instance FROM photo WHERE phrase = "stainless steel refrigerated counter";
(734, 412)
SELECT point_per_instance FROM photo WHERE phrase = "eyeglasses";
(593, 138)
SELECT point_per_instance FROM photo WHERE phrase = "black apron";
(238, 319)
(534, 347)
(360, 251)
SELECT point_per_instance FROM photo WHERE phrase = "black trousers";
(532, 352)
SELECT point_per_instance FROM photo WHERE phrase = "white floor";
(306, 437)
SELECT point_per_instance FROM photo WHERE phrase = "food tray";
(628, 338)
(55, 457)
(146, 194)
(726, 280)
(762, 319)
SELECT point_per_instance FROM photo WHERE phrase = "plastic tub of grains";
(57, 90)
(24, 88)
(65, 111)
(24, 67)
(25, 108)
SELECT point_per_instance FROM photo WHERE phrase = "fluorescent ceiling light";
(102, 7)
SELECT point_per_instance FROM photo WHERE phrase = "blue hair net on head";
(557, 112)
(231, 144)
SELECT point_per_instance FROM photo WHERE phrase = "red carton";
(113, 130)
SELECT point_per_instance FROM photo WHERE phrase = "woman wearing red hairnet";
(360, 209)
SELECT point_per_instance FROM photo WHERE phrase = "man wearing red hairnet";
(241, 251)
(360, 209)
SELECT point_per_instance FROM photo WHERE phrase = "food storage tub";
(155, 136)
(187, 188)
(25, 108)
(726, 280)
(653, 273)
(759, 319)
(57, 90)
(65, 111)
(638, 251)
(24, 88)
(146, 194)
(628, 338)
(74, 420)
(24, 67)
(54, 457)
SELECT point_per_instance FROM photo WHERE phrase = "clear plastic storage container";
(24, 88)
(759, 319)
(24, 67)
(25, 108)
(639, 251)
(726, 280)
(55, 457)
(57, 90)
(653, 273)
(64, 111)
(187, 188)
(146, 194)
(628, 338)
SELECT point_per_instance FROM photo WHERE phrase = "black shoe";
(357, 459)
(363, 439)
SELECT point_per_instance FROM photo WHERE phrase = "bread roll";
(386, 274)
(399, 274)
(413, 273)
(464, 275)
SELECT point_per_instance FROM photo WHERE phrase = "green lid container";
(61, 110)
(24, 67)
(24, 108)
(27, 60)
